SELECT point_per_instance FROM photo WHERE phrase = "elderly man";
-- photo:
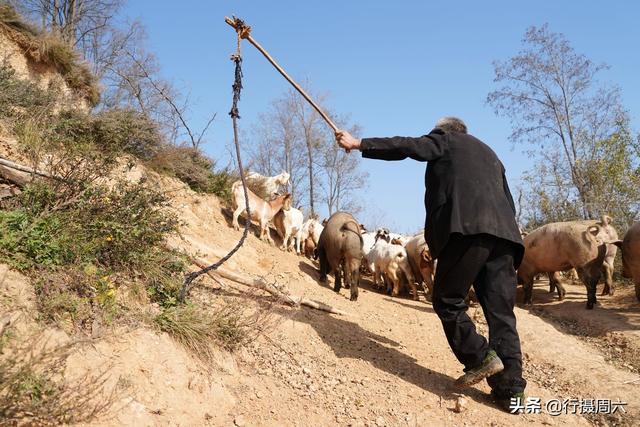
(471, 229)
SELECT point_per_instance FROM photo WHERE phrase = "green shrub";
(113, 227)
(82, 147)
(37, 197)
(219, 183)
(185, 163)
(192, 167)
(27, 241)
(164, 275)
(73, 250)
(65, 144)
(127, 130)
(116, 227)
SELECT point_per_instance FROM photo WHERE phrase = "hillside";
(81, 336)
(386, 363)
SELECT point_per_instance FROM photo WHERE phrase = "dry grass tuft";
(33, 390)
(227, 325)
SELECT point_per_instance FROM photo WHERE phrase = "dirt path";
(388, 363)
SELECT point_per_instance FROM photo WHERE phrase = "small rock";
(461, 405)
(306, 371)
(239, 421)
(381, 422)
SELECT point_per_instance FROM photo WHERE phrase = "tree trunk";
(70, 22)
(55, 14)
(310, 154)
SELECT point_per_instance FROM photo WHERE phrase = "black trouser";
(486, 262)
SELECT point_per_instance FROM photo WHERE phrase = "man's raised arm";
(424, 149)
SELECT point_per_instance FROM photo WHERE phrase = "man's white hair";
(452, 124)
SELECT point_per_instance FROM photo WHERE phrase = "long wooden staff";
(244, 32)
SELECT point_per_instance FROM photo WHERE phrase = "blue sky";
(394, 66)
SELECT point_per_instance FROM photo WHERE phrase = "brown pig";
(340, 251)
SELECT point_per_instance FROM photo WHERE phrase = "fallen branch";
(26, 169)
(14, 176)
(262, 284)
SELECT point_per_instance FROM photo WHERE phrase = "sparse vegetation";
(17, 95)
(34, 390)
(81, 253)
(89, 240)
(192, 167)
(84, 240)
(49, 50)
(82, 147)
(81, 238)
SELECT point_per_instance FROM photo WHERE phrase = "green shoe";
(513, 404)
(491, 365)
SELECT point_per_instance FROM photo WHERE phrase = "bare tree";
(292, 137)
(557, 106)
(342, 177)
(313, 130)
(280, 147)
(84, 24)
(131, 76)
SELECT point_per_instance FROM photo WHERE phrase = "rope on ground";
(235, 115)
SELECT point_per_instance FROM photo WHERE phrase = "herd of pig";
(345, 248)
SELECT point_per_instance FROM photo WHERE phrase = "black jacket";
(466, 188)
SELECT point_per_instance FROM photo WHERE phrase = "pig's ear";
(618, 243)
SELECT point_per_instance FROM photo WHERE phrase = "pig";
(421, 261)
(630, 247)
(340, 251)
(560, 246)
(610, 236)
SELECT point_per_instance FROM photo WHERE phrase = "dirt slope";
(389, 362)
(386, 363)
